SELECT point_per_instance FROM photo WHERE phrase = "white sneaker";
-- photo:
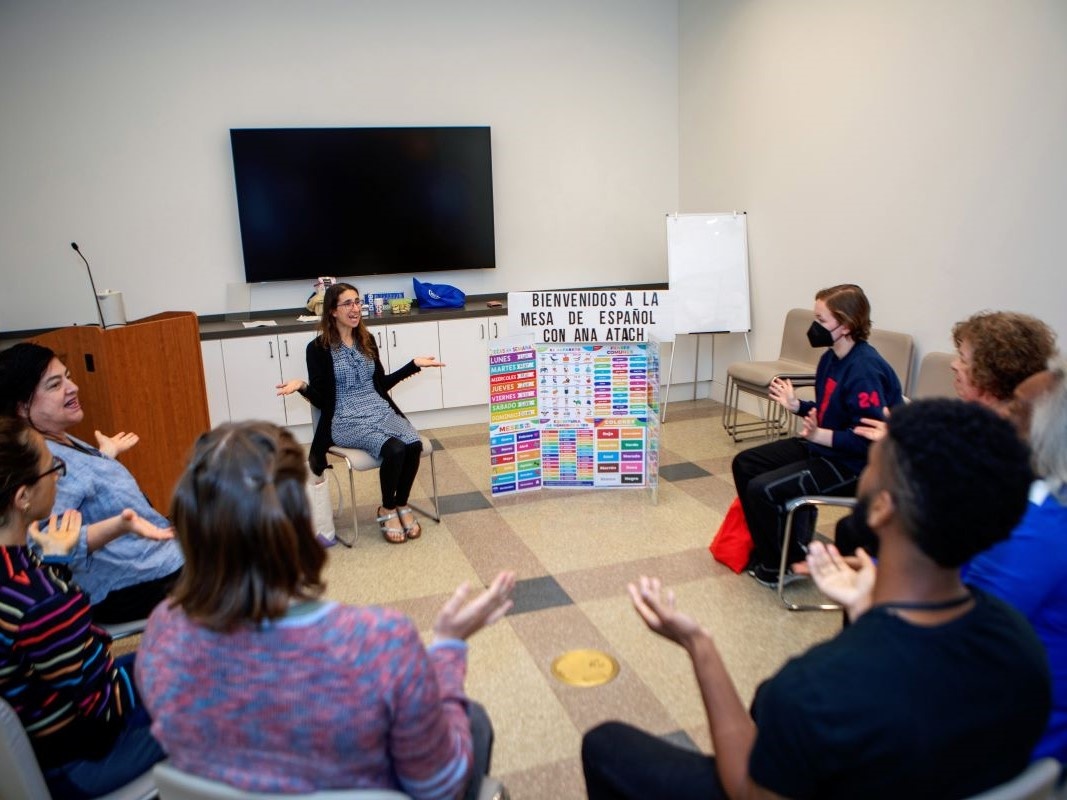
(321, 511)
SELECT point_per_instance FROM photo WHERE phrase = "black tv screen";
(363, 201)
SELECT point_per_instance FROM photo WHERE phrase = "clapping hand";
(112, 446)
(656, 606)
(839, 581)
(59, 538)
(810, 424)
(459, 619)
(781, 391)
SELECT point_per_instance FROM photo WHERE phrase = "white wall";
(116, 117)
(914, 147)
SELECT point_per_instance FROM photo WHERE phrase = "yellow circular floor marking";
(585, 668)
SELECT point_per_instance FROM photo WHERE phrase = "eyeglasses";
(58, 465)
(347, 304)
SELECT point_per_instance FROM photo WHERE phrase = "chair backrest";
(795, 345)
(935, 376)
(18, 764)
(175, 784)
(899, 350)
(20, 775)
(1036, 782)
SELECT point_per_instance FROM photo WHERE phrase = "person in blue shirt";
(124, 576)
(852, 382)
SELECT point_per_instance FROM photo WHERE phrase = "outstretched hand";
(111, 446)
(59, 538)
(135, 523)
(460, 619)
(428, 361)
(657, 607)
(851, 587)
(289, 387)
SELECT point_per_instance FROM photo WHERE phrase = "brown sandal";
(389, 533)
(414, 530)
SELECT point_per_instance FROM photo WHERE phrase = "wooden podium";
(146, 377)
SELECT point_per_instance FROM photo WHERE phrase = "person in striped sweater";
(254, 680)
(79, 706)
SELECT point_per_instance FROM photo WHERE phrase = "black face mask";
(818, 336)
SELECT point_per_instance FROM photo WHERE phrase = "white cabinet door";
(497, 327)
(253, 372)
(293, 364)
(464, 348)
(421, 392)
(218, 405)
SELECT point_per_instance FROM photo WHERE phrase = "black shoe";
(769, 577)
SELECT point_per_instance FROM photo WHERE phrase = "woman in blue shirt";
(124, 576)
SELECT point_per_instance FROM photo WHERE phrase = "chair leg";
(352, 495)
(791, 509)
(436, 515)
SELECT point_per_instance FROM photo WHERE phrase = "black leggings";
(400, 465)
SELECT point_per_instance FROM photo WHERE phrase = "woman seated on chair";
(348, 384)
(124, 576)
(995, 352)
(330, 696)
(852, 381)
(78, 705)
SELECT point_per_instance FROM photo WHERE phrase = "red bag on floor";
(732, 545)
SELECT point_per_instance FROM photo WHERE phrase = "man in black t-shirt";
(937, 691)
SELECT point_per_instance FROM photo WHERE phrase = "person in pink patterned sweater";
(254, 680)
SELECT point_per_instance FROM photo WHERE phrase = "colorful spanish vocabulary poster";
(514, 428)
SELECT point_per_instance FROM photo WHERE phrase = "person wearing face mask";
(852, 381)
(348, 384)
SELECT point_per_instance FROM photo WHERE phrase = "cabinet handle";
(481, 326)
(286, 343)
(270, 344)
(496, 331)
(379, 335)
(394, 338)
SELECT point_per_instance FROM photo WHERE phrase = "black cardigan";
(321, 392)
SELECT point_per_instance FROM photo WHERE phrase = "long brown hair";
(241, 515)
(330, 337)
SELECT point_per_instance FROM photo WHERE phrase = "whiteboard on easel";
(707, 267)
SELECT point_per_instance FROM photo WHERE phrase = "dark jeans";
(769, 476)
(400, 465)
(133, 754)
(621, 762)
(482, 743)
(133, 602)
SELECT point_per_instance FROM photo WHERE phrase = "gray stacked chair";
(175, 784)
(796, 360)
(935, 376)
(20, 774)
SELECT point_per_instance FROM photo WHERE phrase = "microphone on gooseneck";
(92, 283)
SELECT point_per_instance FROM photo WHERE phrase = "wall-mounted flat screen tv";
(363, 201)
